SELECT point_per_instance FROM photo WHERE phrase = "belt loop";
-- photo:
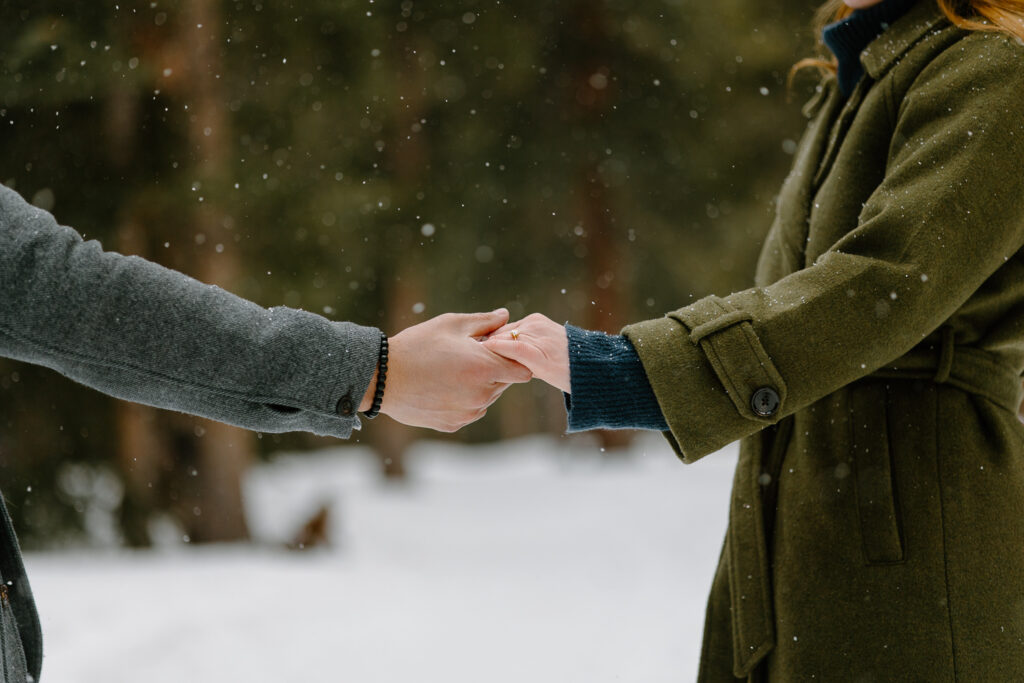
(945, 356)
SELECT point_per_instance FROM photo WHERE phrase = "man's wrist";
(379, 382)
(367, 401)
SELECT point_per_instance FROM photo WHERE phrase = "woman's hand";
(537, 342)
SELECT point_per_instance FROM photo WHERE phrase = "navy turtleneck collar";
(848, 38)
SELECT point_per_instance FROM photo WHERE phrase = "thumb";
(482, 324)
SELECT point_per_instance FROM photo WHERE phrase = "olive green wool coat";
(876, 529)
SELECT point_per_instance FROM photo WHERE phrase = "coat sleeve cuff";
(712, 376)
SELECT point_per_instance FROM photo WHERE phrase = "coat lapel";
(785, 247)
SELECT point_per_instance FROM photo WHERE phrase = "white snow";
(536, 560)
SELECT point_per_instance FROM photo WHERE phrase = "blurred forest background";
(380, 161)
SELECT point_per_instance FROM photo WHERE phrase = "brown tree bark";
(208, 458)
(604, 267)
(408, 161)
(594, 93)
(141, 451)
(223, 452)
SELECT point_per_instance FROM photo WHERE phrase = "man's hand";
(441, 376)
(540, 344)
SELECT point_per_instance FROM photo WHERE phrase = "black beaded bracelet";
(382, 376)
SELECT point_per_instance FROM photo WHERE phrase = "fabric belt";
(964, 367)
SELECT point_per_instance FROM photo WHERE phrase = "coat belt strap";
(964, 367)
(750, 595)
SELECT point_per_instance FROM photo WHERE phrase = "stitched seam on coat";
(926, 220)
(746, 329)
(945, 549)
(715, 358)
(738, 622)
(891, 110)
(719, 324)
(757, 348)
(716, 362)
(96, 362)
(764, 580)
(695, 318)
(1016, 434)
(935, 55)
(705, 650)
(706, 344)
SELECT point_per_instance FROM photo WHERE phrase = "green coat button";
(765, 401)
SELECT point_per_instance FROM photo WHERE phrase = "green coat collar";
(887, 49)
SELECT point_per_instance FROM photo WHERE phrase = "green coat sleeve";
(947, 215)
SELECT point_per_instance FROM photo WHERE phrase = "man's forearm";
(141, 332)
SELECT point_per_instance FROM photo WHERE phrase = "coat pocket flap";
(877, 510)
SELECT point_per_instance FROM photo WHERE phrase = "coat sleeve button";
(765, 402)
(345, 408)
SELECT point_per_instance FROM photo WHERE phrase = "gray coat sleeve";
(141, 332)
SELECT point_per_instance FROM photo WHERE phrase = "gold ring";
(515, 335)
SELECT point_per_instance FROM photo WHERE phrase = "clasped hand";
(439, 374)
(444, 373)
(537, 343)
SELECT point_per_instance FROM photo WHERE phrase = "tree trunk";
(212, 508)
(223, 452)
(142, 454)
(604, 268)
(594, 95)
(408, 161)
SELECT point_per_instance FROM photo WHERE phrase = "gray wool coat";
(140, 332)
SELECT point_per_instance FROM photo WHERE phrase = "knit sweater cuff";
(610, 389)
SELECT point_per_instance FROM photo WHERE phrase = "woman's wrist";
(610, 388)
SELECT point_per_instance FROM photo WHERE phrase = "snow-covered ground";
(534, 560)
